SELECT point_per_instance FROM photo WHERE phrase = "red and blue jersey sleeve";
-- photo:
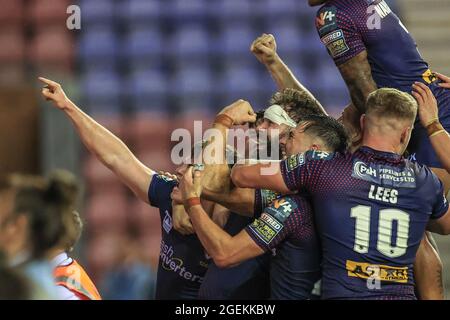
(285, 217)
(339, 30)
(263, 198)
(299, 171)
(441, 205)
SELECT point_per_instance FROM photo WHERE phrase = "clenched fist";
(54, 92)
(241, 112)
(265, 49)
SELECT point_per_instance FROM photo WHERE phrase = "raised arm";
(357, 74)
(428, 114)
(265, 50)
(104, 145)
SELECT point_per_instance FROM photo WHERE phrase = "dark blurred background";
(143, 68)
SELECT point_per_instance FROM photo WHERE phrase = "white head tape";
(277, 115)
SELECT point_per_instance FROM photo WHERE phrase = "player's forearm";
(441, 145)
(217, 243)
(108, 148)
(259, 176)
(357, 74)
(216, 175)
(428, 272)
(284, 78)
(238, 200)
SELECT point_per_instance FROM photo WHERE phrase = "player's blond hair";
(391, 104)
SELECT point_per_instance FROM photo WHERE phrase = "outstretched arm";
(265, 50)
(104, 145)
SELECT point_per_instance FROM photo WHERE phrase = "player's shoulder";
(424, 175)
(160, 189)
(282, 208)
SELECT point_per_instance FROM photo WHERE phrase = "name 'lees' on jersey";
(368, 217)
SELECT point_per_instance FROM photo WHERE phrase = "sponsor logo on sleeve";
(326, 20)
(282, 208)
(295, 161)
(335, 43)
(167, 222)
(320, 155)
(267, 197)
(266, 227)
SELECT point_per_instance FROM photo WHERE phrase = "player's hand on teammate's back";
(181, 221)
(445, 79)
(191, 184)
(265, 49)
(428, 109)
(241, 112)
(54, 92)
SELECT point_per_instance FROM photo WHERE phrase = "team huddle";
(346, 210)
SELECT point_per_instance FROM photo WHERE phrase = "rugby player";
(373, 49)
(428, 266)
(182, 262)
(286, 225)
(363, 199)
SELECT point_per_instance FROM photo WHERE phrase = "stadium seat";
(44, 12)
(191, 42)
(277, 8)
(61, 44)
(182, 11)
(148, 91)
(13, 42)
(239, 81)
(102, 92)
(107, 211)
(289, 38)
(143, 44)
(97, 12)
(194, 87)
(102, 253)
(98, 46)
(149, 131)
(232, 10)
(145, 217)
(235, 39)
(140, 11)
(12, 13)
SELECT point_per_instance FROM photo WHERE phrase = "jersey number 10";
(387, 217)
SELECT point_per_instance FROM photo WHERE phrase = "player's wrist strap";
(438, 132)
(189, 203)
(224, 120)
(434, 127)
(432, 121)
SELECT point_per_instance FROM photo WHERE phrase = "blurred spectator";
(131, 278)
(13, 285)
(34, 220)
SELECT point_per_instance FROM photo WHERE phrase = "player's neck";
(380, 144)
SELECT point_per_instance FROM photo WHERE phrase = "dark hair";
(48, 205)
(329, 130)
(297, 104)
(13, 285)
